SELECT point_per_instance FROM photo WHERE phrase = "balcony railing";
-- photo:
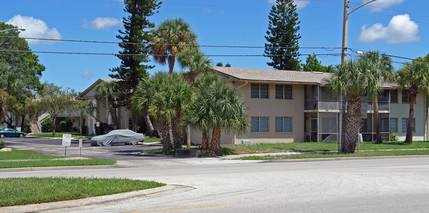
(335, 105)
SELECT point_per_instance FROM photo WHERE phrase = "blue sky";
(396, 27)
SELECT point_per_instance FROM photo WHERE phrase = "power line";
(125, 54)
(164, 44)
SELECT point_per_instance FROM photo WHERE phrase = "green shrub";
(47, 125)
(2, 144)
(66, 126)
(393, 136)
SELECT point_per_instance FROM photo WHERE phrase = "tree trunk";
(215, 143)
(177, 131)
(22, 122)
(190, 77)
(188, 136)
(353, 124)
(410, 125)
(170, 134)
(113, 112)
(1, 104)
(165, 135)
(205, 141)
(54, 124)
(149, 126)
(376, 120)
(171, 60)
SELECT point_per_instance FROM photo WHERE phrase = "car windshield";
(9, 129)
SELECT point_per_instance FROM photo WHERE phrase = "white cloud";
(400, 30)
(299, 3)
(379, 5)
(34, 28)
(86, 74)
(101, 23)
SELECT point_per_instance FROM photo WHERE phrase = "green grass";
(153, 151)
(23, 155)
(75, 135)
(53, 163)
(21, 191)
(317, 147)
(336, 155)
(151, 140)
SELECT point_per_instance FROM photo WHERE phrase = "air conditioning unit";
(246, 142)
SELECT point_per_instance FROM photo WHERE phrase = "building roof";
(283, 76)
(265, 75)
(82, 94)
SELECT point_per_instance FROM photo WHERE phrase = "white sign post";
(80, 146)
(66, 142)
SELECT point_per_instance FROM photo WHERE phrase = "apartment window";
(405, 123)
(259, 124)
(259, 91)
(393, 124)
(283, 124)
(283, 91)
(394, 96)
(384, 124)
(405, 96)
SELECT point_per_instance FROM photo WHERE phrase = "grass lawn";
(151, 140)
(34, 159)
(21, 191)
(24, 155)
(76, 135)
(317, 147)
(53, 163)
(336, 155)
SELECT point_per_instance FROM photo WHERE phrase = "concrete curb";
(93, 200)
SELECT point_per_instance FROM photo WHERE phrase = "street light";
(16, 28)
(345, 27)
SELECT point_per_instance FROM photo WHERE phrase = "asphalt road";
(53, 147)
(212, 185)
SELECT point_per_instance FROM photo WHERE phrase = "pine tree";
(134, 57)
(282, 36)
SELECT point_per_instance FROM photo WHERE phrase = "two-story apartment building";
(287, 106)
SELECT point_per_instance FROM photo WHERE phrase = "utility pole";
(345, 32)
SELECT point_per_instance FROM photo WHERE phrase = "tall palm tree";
(353, 80)
(141, 101)
(383, 72)
(108, 90)
(170, 38)
(194, 60)
(217, 107)
(415, 77)
(172, 98)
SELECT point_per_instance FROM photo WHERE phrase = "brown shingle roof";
(250, 74)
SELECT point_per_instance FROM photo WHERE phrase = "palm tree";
(195, 61)
(383, 72)
(141, 101)
(170, 38)
(415, 77)
(172, 98)
(217, 107)
(108, 90)
(353, 80)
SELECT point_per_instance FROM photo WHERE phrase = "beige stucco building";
(290, 106)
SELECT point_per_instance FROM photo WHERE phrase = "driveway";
(53, 147)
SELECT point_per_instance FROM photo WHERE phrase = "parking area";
(53, 147)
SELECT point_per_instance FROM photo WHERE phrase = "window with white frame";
(259, 124)
(283, 124)
(259, 91)
(405, 124)
(393, 124)
(283, 91)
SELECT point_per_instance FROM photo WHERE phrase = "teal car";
(9, 132)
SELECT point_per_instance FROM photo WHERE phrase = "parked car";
(119, 136)
(9, 132)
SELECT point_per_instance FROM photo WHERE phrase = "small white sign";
(80, 143)
(66, 140)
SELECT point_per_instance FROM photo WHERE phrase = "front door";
(313, 130)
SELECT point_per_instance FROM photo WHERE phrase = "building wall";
(401, 110)
(270, 108)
